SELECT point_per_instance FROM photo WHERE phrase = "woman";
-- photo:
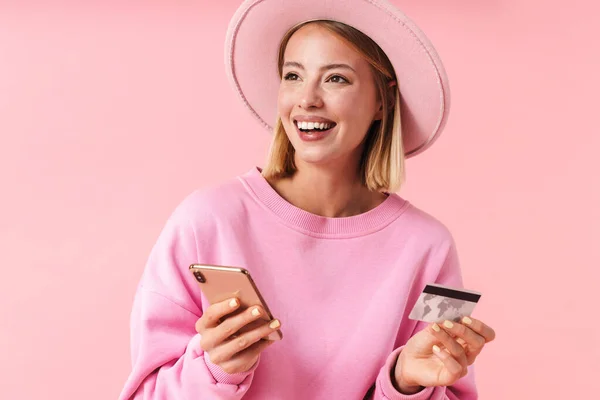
(339, 258)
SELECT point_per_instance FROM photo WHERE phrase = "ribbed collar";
(357, 225)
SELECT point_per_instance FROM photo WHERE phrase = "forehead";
(318, 45)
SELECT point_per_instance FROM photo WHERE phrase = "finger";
(215, 336)
(245, 360)
(441, 346)
(233, 324)
(473, 340)
(213, 314)
(480, 328)
(454, 369)
(453, 347)
(228, 350)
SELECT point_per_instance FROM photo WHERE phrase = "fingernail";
(436, 348)
(448, 324)
(436, 327)
(274, 324)
(255, 312)
(467, 320)
(233, 303)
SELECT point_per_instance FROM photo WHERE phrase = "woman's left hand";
(440, 354)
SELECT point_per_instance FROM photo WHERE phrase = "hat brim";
(254, 36)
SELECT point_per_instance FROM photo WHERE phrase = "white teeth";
(313, 125)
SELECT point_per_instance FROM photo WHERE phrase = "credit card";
(438, 303)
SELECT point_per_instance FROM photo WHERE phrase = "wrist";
(401, 384)
(407, 389)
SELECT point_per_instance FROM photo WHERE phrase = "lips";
(312, 128)
(314, 135)
(311, 118)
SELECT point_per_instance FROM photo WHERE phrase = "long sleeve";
(464, 389)
(167, 361)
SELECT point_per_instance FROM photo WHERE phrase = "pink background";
(111, 113)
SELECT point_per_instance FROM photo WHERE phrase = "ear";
(379, 114)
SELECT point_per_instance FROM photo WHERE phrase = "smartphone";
(219, 283)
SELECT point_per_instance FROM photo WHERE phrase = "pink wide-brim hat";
(255, 34)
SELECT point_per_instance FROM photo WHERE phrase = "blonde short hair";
(382, 162)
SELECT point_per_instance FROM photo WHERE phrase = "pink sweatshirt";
(341, 287)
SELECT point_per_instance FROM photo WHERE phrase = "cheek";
(356, 114)
(285, 103)
(353, 106)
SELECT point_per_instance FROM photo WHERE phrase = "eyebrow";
(323, 68)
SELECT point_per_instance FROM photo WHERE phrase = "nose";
(310, 97)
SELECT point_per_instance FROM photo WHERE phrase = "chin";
(314, 157)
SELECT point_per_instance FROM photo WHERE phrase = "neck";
(330, 191)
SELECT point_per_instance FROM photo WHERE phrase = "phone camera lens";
(199, 277)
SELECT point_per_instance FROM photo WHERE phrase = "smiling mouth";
(310, 127)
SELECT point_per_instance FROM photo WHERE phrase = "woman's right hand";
(233, 353)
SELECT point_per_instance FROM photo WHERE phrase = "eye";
(340, 78)
(290, 77)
